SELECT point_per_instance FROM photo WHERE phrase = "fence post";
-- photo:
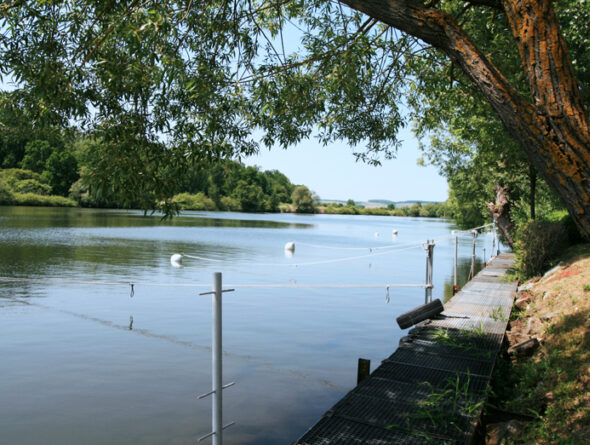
(455, 283)
(484, 257)
(217, 386)
(363, 370)
(217, 365)
(429, 257)
(472, 272)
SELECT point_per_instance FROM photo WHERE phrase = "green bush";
(6, 195)
(12, 176)
(200, 201)
(563, 217)
(230, 204)
(32, 199)
(381, 211)
(538, 244)
(32, 186)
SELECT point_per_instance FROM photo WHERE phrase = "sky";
(333, 173)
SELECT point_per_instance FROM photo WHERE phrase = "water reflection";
(48, 217)
(463, 272)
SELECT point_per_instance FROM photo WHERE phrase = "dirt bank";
(541, 388)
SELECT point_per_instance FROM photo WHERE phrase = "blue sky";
(333, 173)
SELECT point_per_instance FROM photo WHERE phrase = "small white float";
(394, 232)
(290, 247)
(176, 260)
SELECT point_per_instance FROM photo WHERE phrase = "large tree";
(551, 126)
(182, 80)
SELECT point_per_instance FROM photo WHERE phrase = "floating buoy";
(376, 234)
(176, 260)
(290, 247)
(394, 232)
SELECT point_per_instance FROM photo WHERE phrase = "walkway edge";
(434, 386)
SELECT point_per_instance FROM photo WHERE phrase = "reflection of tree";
(463, 269)
(35, 241)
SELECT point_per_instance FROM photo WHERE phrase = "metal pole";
(484, 257)
(429, 255)
(216, 367)
(472, 272)
(455, 285)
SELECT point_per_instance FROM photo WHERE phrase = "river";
(88, 359)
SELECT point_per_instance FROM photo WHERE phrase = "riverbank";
(541, 389)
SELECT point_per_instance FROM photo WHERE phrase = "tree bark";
(553, 129)
(533, 192)
(501, 214)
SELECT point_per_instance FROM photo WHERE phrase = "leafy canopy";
(165, 85)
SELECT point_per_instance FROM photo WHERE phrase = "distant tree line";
(417, 209)
(63, 167)
(43, 165)
(49, 167)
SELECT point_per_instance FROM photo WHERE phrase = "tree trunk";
(552, 130)
(533, 193)
(501, 214)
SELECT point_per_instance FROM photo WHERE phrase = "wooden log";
(419, 314)
(524, 348)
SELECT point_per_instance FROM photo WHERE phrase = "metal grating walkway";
(432, 388)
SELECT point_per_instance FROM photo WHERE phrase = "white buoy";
(290, 247)
(394, 232)
(376, 234)
(176, 260)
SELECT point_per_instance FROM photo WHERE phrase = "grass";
(498, 314)
(554, 384)
(446, 407)
(464, 340)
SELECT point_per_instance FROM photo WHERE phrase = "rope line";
(208, 285)
(475, 228)
(321, 246)
(311, 263)
(389, 246)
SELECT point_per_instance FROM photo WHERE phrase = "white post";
(455, 284)
(472, 272)
(216, 367)
(217, 386)
(429, 264)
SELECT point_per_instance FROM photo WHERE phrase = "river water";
(84, 360)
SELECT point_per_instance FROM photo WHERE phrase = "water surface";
(86, 360)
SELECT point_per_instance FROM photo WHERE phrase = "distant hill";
(385, 202)
(373, 203)
(409, 203)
